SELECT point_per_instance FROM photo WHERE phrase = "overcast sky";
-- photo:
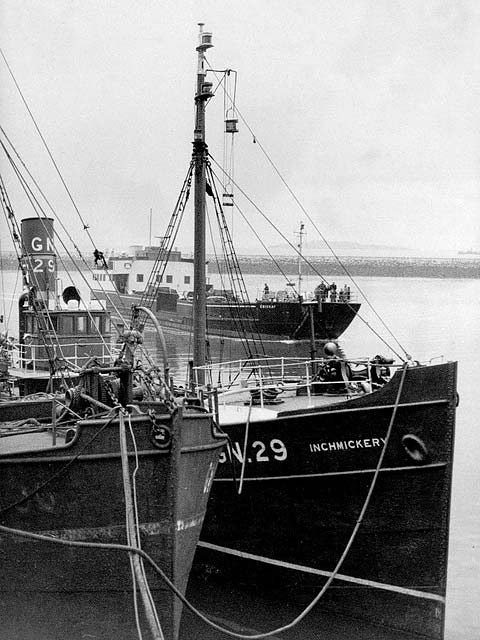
(368, 108)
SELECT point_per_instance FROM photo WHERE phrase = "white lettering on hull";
(345, 445)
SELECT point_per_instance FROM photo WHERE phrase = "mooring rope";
(132, 538)
(184, 600)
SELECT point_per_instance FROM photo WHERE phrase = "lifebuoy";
(161, 436)
(415, 448)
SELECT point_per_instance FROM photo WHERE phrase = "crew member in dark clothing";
(333, 292)
(321, 291)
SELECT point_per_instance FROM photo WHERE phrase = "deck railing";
(36, 357)
(263, 376)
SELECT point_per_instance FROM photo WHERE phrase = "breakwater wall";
(380, 267)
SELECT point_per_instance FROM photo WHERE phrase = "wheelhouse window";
(81, 324)
(186, 280)
(139, 277)
(96, 324)
(169, 278)
(66, 324)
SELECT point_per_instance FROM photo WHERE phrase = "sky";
(368, 110)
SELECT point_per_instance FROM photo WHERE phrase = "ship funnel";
(38, 256)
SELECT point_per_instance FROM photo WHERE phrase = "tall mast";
(204, 92)
(300, 257)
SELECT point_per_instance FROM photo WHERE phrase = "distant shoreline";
(356, 266)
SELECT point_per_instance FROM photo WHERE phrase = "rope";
(132, 569)
(194, 610)
(302, 208)
(135, 505)
(247, 427)
(45, 325)
(312, 266)
(85, 226)
(134, 487)
(240, 296)
(236, 279)
(337, 258)
(38, 207)
(135, 560)
(264, 246)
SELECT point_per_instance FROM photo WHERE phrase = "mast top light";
(204, 39)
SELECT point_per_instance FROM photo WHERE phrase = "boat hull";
(276, 324)
(304, 482)
(81, 499)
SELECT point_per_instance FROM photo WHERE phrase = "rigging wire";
(253, 230)
(322, 236)
(4, 303)
(85, 226)
(17, 235)
(229, 97)
(234, 273)
(6, 316)
(293, 623)
(235, 318)
(335, 255)
(67, 233)
(309, 263)
(47, 328)
(168, 242)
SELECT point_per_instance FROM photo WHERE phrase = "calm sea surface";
(430, 319)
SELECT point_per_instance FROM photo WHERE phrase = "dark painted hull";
(301, 499)
(85, 502)
(271, 322)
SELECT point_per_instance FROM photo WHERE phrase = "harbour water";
(429, 318)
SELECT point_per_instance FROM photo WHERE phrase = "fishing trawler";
(341, 484)
(283, 319)
(341, 488)
(105, 475)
